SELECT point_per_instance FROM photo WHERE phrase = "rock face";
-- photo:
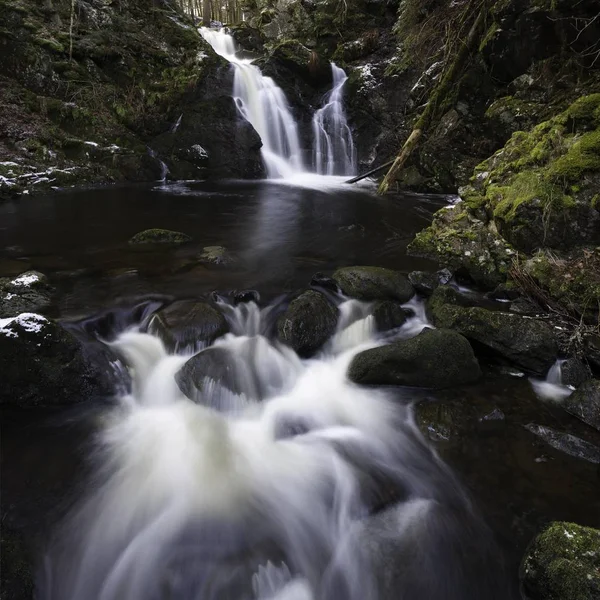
(527, 342)
(29, 292)
(308, 323)
(374, 283)
(42, 364)
(584, 403)
(159, 236)
(436, 358)
(188, 324)
(563, 562)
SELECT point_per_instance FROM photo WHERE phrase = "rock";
(562, 562)
(389, 315)
(17, 579)
(565, 442)
(308, 323)
(425, 282)
(216, 255)
(29, 292)
(584, 403)
(527, 342)
(43, 364)
(320, 280)
(436, 358)
(245, 296)
(159, 236)
(574, 372)
(188, 324)
(374, 283)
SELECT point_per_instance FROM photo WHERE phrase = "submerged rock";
(436, 358)
(159, 236)
(188, 324)
(308, 323)
(216, 255)
(563, 562)
(527, 342)
(565, 442)
(29, 292)
(584, 403)
(43, 364)
(374, 283)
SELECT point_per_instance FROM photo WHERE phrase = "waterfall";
(552, 388)
(334, 150)
(261, 494)
(262, 103)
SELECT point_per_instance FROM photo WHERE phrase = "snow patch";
(25, 280)
(30, 322)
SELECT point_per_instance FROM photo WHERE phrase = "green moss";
(586, 110)
(159, 236)
(50, 44)
(582, 157)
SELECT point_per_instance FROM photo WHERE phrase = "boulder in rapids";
(188, 324)
(159, 236)
(525, 341)
(29, 292)
(584, 403)
(389, 315)
(574, 372)
(436, 358)
(308, 323)
(44, 365)
(562, 562)
(374, 283)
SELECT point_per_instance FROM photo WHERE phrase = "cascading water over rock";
(333, 146)
(266, 498)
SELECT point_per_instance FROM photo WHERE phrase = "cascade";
(334, 150)
(552, 388)
(262, 103)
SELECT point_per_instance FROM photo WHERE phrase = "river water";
(155, 496)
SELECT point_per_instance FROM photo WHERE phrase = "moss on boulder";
(159, 236)
(563, 562)
(373, 283)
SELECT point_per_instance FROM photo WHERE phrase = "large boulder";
(29, 292)
(525, 341)
(389, 315)
(43, 364)
(308, 323)
(562, 562)
(374, 283)
(188, 324)
(585, 403)
(436, 358)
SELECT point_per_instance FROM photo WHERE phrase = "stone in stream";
(389, 315)
(525, 341)
(426, 282)
(159, 236)
(43, 364)
(566, 442)
(29, 292)
(320, 280)
(436, 358)
(574, 372)
(216, 255)
(584, 403)
(188, 324)
(309, 321)
(562, 563)
(374, 283)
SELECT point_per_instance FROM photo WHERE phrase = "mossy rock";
(388, 315)
(160, 236)
(28, 292)
(563, 562)
(374, 283)
(308, 323)
(584, 403)
(436, 358)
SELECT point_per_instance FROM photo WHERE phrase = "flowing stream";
(266, 495)
(262, 103)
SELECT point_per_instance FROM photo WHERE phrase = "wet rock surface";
(309, 321)
(159, 236)
(373, 283)
(28, 292)
(584, 403)
(436, 358)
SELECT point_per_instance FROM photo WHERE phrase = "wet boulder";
(584, 403)
(159, 236)
(29, 292)
(320, 280)
(426, 282)
(308, 323)
(436, 358)
(574, 372)
(562, 562)
(43, 364)
(523, 340)
(389, 315)
(188, 324)
(374, 283)
(566, 442)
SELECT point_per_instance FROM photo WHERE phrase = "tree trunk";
(206, 10)
(438, 93)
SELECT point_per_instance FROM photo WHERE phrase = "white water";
(333, 146)
(261, 102)
(552, 388)
(253, 499)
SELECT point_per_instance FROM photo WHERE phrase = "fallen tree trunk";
(371, 172)
(438, 93)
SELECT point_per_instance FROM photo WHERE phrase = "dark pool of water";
(281, 236)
